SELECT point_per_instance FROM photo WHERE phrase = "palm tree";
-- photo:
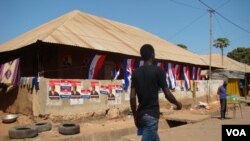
(221, 43)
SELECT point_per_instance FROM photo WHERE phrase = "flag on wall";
(161, 65)
(171, 78)
(9, 72)
(198, 74)
(177, 71)
(194, 73)
(116, 72)
(186, 76)
(95, 65)
(127, 72)
(138, 63)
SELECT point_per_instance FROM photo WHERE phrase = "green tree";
(241, 54)
(221, 43)
(182, 46)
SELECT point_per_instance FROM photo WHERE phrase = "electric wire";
(187, 5)
(228, 20)
(187, 26)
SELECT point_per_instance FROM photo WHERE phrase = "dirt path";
(208, 130)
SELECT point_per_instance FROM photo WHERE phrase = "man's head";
(225, 81)
(74, 88)
(52, 88)
(147, 52)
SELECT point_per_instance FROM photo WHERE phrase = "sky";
(177, 21)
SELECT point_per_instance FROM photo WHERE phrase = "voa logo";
(236, 132)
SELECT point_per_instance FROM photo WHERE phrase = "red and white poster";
(115, 94)
(75, 90)
(94, 91)
(54, 88)
(65, 88)
(85, 93)
(104, 89)
(75, 94)
(53, 93)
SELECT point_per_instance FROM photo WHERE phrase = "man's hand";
(136, 122)
(178, 106)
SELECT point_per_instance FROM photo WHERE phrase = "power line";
(225, 17)
(232, 22)
(184, 28)
(223, 4)
(187, 5)
(220, 26)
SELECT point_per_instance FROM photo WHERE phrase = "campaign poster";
(104, 89)
(85, 93)
(65, 88)
(53, 93)
(115, 94)
(75, 96)
(111, 95)
(94, 91)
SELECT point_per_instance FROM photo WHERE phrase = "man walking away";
(222, 92)
(146, 81)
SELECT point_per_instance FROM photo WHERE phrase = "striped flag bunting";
(127, 72)
(177, 71)
(116, 72)
(161, 65)
(138, 63)
(95, 65)
(198, 73)
(186, 74)
(170, 72)
(194, 73)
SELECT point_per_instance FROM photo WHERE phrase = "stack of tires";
(30, 131)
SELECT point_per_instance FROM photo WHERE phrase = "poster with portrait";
(75, 96)
(111, 95)
(94, 91)
(104, 89)
(53, 96)
(115, 94)
(65, 88)
(85, 93)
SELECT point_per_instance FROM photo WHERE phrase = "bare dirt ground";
(104, 129)
(207, 130)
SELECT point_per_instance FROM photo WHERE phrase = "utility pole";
(211, 12)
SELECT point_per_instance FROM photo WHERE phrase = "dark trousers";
(223, 107)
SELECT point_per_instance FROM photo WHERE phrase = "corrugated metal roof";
(88, 31)
(228, 63)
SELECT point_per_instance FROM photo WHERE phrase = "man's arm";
(133, 105)
(133, 101)
(170, 97)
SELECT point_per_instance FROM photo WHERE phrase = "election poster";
(75, 96)
(94, 91)
(53, 93)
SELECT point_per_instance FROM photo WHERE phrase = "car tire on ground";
(69, 129)
(22, 132)
(43, 126)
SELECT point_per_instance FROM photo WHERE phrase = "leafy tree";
(182, 46)
(241, 54)
(221, 43)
